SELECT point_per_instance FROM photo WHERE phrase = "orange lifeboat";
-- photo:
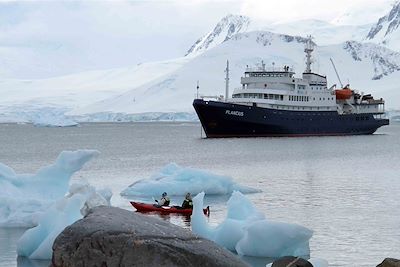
(343, 94)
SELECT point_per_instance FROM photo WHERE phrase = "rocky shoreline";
(110, 236)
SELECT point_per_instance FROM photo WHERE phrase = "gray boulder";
(110, 236)
(389, 262)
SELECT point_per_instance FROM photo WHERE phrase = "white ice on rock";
(178, 180)
(247, 232)
(23, 197)
(37, 242)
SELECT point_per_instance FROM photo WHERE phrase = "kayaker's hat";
(188, 196)
(164, 194)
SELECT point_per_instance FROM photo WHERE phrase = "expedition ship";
(272, 102)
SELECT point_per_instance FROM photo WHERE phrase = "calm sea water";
(347, 189)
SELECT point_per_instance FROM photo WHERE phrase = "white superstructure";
(277, 88)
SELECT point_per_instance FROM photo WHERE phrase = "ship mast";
(308, 50)
(227, 81)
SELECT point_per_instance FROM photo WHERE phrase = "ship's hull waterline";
(221, 119)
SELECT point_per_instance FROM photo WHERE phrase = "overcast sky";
(71, 36)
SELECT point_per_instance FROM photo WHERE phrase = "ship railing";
(270, 69)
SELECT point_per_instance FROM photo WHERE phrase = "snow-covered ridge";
(224, 30)
(323, 33)
(385, 61)
(386, 24)
(266, 38)
(386, 30)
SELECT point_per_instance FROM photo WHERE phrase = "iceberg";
(37, 242)
(178, 180)
(23, 197)
(247, 232)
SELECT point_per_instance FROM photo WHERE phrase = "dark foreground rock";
(110, 236)
(291, 261)
(389, 262)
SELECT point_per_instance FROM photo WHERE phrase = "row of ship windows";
(277, 97)
(269, 75)
(306, 98)
(301, 108)
(343, 118)
(317, 88)
(299, 98)
(261, 96)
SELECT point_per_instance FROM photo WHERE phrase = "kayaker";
(187, 202)
(164, 201)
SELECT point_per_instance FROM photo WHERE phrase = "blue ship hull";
(221, 119)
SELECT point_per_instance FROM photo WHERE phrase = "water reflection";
(26, 262)
(182, 220)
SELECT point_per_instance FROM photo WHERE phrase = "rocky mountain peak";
(224, 30)
(387, 24)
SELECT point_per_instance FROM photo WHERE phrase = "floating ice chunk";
(242, 209)
(227, 234)
(274, 239)
(246, 231)
(177, 181)
(36, 243)
(22, 196)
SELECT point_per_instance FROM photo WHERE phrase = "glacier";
(177, 181)
(24, 197)
(247, 232)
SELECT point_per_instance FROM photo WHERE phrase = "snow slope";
(324, 33)
(27, 100)
(368, 67)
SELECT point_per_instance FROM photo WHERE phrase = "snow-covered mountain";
(384, 60)
(165, 90)
(386, 31)
(367, 67)
(224, 30)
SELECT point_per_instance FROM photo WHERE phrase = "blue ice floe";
(247, 232)
(178, 180)
(23, 197)
(37, 242)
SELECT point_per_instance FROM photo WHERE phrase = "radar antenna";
(309, 48)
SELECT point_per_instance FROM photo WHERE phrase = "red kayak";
(145, 207)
